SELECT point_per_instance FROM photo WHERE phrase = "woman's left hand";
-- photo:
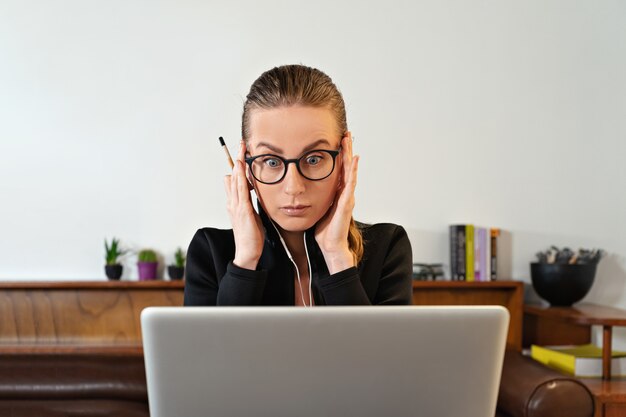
(331, 232)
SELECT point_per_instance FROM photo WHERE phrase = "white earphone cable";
(296, 266)
(308, 260)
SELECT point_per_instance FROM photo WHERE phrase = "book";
(488, 254)
(457, 252)
(469, 252)
(480, 254)
(454, 269)
(477, 253)
(581, 361)
(493, 253)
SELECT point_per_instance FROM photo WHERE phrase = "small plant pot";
(176, 272)
(562, 285)
(147, 270)
(113, 272)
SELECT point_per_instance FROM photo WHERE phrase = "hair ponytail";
(355, 241)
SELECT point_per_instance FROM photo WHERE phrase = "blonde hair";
(291, 85)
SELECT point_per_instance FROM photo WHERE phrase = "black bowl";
(562, 284)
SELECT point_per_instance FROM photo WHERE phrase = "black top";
(383, 276)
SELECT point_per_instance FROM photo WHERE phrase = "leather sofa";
(76, 385)
(112, 385)
(529, 389)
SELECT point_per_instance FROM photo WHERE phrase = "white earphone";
(296, 266)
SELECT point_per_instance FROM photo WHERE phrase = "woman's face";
(295, 203)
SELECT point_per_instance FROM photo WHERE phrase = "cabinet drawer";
(615, 410)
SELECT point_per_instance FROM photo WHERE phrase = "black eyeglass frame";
(296, 161)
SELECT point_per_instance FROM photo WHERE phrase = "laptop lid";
(327, 361)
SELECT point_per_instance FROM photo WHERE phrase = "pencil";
(230, 160)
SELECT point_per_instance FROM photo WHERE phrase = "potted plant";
(147, 264)
(177, 269)
(112, 268)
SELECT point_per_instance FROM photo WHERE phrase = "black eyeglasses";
(314, 165)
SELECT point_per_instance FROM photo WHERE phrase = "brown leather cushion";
(73, 408)
(74, 376)
(529, 389)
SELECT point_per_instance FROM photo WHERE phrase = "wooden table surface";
(583, 313)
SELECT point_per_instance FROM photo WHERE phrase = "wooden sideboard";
(104, 315)
(79, 316)
(545, 325)
(509, 294)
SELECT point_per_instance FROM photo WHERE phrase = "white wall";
(501, 113)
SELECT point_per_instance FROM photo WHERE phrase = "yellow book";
(469, 252)
(582, 361)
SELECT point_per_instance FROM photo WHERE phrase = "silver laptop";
(381, 361)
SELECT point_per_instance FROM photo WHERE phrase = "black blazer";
(384, 275)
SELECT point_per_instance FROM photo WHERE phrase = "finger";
(346, 145)
(354, 169)
(242, 151)
(227, 180)
(347, 194)
(346, 153)
(349, 143)
(243, 193)
(234, 198)
(237, 178)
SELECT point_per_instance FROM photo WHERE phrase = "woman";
(303, 247)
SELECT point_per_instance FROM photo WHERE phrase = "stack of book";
(473, 253)
(581, 361)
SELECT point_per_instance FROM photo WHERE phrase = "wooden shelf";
(109, 349)
(102, 285)
(465, 284)
(509, 294)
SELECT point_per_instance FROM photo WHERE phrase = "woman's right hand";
(247, 226)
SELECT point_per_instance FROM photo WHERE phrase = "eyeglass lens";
(314, 165)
